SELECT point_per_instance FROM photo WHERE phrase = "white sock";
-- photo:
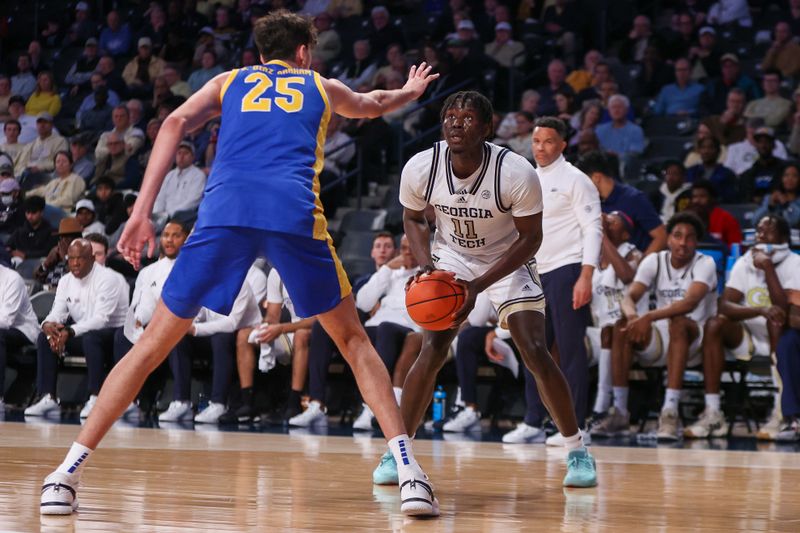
(407, 466)
(621, 399)
(671, 400)
(603, 400)
(398, 393)
(574, 442)
(75, 460)
(712, 402)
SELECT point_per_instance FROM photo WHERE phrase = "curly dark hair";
(687, 217)
(278, 35)
(472, 99)
(554, 123)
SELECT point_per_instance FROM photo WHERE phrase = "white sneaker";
(364, 420)
(466, 419)
(524, 434)
(557, 439)
(417, 498)
(211, 414)
(176, 412)
(773, 426)
(42, 407)
(59, 494)
(789, 432)
(710, 424)
(87, 408)
(314, 413)
(669, 425)
(131, 410)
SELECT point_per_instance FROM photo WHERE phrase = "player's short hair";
(595, 161)
(383, 235)
(784, 232)
(185, 226)
(472, 99)
(553, 123)
(687, 217)
(99, 239)
(278, 35)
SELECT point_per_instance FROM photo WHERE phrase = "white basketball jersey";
(474, 216)
(670, 284)
(608, 291)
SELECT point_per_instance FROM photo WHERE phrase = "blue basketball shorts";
(213, 264)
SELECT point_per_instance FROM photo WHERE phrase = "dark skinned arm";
(638, 327)
(730, 306)
(659, 242)
(624, 267)
(419, 238)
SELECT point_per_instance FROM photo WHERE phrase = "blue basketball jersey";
(269, 152)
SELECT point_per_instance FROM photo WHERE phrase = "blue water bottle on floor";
(439, 402)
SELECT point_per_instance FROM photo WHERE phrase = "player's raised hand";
(418, 79)
(138, 232)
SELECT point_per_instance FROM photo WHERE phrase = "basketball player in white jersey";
(488, 206)
(619, 260)
(685, 283)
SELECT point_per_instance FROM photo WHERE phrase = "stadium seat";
(668, 126)
(42, 302)
(671, 147)
(356, 245)
(743, 213)
(356, 268)
(719, 254)
(363, 220)
(53, 215)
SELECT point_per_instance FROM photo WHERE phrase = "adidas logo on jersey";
(461, 200)
(462, 191)
(526, 288)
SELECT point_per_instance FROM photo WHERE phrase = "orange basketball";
(432, 300)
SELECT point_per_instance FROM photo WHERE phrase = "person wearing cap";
(705, 55)
(87, 217)
(507, 52)
(66, 187)
(23, 83)
(647, 232)
(742, 155)
(80, 73)
(115, 38)
(45, 98)
(731, 76)
(758, 180)
(142, 70)
(772, 107)
(784, 54)
(83, 27)
(54, 265)
(132, 136)
(12, 215)
(37, 157)
(90, 303)
(34, 238)
(11, 145)
(682, 97)
(183, 186)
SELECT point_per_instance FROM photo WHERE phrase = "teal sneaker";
(581, 470)
(386, 472)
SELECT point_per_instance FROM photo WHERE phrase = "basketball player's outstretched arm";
(201, 107)
(373, 104)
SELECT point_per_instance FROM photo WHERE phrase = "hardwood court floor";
(177, 480)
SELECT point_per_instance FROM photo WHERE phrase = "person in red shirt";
(720, 223)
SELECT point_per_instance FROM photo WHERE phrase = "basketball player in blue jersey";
(262, 198)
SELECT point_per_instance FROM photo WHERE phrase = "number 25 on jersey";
(290, 99)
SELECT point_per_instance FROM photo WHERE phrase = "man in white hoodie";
(90, 304)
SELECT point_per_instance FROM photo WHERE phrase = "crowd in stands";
(687, 120)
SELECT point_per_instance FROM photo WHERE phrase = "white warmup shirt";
(571, 225)
(15, 306)
(608, 292)
(94, 302)
(277, 294)
(387, 286)
(182, 190)
(146, 294)
(244, 314)
(258, 283)
(741, 156)
(475, 215)
(671, 284)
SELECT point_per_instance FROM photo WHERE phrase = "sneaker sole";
(576, 485)
(56, 508)
(420, 508)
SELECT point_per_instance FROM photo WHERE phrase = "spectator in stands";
(681, 97)
(11, 145)
(681, 36)
(639, 39)
(36, 160)
(109, 205)
(724, 12)
(83, 27)
(176, 85)
(34, 238)
(504, 50)
(117, 164)
(143, 69)
(529, 102)
(675, 193)
(794, 121)
(107, 68)
(96, 81)
(339, 153)
(742, 155)
(329, 44)
(581, 78)
(589, 116)
(54, 265)
(709, 168)
(381, 32)
(565, 106)
(87, 217)
(5, 95)
(18, 324)
(83, 161)
(98, 117)
(66, 187)
(136, 113)
(395, 64)
(784, 54)
(115, 38)
(89, 305)
(561, 21)
(715, 98)
(772, 107)
(720, 224)
(131, 135)
(752, 313)
(757, 181)
(620, 136)
(206, 41)
(600, 75)
(12, 213)
(344, 9)
(208, 69)
(521, 142)
(183, 186)
(684, 282)
(556, 74)
(654, 73)
(156, 28)
(80, 73)
(151, 132)
(784, 200)
(362, 68)
(705, 55)
(729, 126)
(23, 83)
(647, 231)
(113, 238)
(44, 98)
